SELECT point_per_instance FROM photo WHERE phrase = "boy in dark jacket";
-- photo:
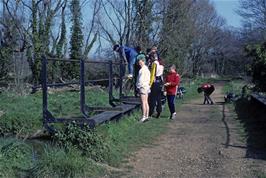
(172, 81)
(208, 89)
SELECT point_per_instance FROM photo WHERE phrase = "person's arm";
(139, 82)
(144, 78)
(153, 70)
(175, 82)
(123, 54)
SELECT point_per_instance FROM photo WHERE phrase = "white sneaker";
(174, 115)
(130, 76)
(143, 119)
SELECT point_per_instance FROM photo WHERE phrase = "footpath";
(204, 141)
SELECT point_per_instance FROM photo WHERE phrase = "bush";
(87, 140)
(258, 68)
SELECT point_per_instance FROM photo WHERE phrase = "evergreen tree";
(76, 41)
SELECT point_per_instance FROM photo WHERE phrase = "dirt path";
(203, 141)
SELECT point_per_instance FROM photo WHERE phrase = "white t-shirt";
(159, 69)
(144, 78)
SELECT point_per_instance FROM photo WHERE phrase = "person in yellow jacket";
(156, 83)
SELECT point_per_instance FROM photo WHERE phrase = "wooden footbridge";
(118, 106)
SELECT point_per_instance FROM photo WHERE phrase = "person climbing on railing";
(128, 56)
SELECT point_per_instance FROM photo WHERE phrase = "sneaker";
(130, 76)
(144, 119)
(158, 115)
(174, 115)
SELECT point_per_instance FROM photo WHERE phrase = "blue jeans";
(131, 61)
(171, 103)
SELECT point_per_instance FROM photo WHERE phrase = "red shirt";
(173, 78)
(205, 86)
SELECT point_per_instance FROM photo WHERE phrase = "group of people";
(150, 82)
(148, 70)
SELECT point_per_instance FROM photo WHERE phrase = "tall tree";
(143, 22)
(76, 41)
(254, 18)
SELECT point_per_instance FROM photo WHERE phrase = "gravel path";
(203, 141)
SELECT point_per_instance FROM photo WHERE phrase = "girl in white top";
(143, 86)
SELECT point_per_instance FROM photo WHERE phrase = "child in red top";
(172, 81)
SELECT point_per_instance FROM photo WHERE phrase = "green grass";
(15, 158)
(234, 86)
(22, 115)
(56, 162)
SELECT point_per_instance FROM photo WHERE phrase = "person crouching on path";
(143, 86)
(208, 89)
(172, 81)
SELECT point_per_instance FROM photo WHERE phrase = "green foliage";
(76, 41)
(258, 67)
(87, 140)
(5, 56)
(235, 86)
(56, 162)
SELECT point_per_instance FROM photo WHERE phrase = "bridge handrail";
(259, 97)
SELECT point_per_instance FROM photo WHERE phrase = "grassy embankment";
(79, 154)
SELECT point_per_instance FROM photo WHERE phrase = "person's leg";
(152, 100)
(146, 106)
(205, 99)
(142, 98)
(131, 63)
(171, 104)
(158, 99)
(209, 99)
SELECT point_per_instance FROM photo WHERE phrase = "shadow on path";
(253, 117)
(226, 126)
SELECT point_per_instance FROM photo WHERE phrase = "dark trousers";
(171, 103)
(207, 94)
(155, 98)
(207, 99)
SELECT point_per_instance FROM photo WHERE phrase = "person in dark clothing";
(172, 82)
(156, 84)
(207, 89)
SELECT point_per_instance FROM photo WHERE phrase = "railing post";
(44, 89)
(121, 66)
(111, 98)
(82, 88)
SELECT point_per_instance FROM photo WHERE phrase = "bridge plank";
(259, 98)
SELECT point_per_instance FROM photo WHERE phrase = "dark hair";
(160, 60)
(115, 47)
(138, 49)
(199, 90)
